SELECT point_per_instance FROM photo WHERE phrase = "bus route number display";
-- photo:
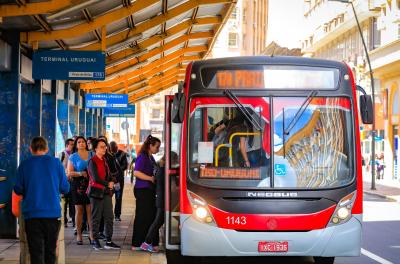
(230, 173)
(239, 79)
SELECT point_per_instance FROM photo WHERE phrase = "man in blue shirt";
(40, 180)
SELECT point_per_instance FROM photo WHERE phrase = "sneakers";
(117, 218)
(111, 245)
(148, 247)
(97, 245)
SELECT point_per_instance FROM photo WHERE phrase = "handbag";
(96, 193)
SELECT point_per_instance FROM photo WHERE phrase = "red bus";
(263, 159)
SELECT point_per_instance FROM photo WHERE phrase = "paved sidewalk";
(384, 191)
(388, 187)
(84, 254)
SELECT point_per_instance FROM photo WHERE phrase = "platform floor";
(84, 254)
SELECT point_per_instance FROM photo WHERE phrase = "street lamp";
(372, 90)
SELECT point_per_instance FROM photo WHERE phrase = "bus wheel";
(174, 257)
(324, 260)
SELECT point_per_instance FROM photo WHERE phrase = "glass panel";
(226, 149)
(315, 150)
(175, 145)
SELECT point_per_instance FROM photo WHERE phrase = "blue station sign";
(120, 112)
(68, 65)
(106, 100)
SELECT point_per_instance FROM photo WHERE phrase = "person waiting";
(144, 192)
(77, 170)
(100, 192)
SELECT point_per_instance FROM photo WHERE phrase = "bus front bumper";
(199, 239)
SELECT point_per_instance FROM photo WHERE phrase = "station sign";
(120, 112)
(106, 101)
(68, 65)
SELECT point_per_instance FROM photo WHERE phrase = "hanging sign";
(106, 100)
(68, 65)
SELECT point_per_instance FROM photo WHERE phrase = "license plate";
(273, 246)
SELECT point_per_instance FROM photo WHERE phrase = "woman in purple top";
(144, 191)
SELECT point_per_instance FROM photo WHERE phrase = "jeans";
(42, 235)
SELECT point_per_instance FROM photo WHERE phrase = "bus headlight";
(342, 213)
(200, 209)
(201, 212)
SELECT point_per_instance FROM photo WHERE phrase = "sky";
(285, 19)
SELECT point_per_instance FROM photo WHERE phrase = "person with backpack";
(67, 199)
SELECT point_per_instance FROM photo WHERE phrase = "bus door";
(172, 152)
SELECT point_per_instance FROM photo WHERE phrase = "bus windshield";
(227, 151)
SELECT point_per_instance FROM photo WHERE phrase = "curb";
(381, 196)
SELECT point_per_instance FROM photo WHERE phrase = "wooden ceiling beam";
(80, 29)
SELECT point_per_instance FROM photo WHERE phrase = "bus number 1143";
(236, 220)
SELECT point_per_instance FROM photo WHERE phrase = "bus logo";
(272, 194)
(280, 169)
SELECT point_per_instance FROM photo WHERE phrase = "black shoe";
(97, 245)
(111, 245)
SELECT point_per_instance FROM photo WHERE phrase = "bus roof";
(275, 60)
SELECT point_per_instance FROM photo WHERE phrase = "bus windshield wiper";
(300, 112)
(243, 109)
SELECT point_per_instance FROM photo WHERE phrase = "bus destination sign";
(238, 79)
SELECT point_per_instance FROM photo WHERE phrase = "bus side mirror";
(178, 106)
(366, 109)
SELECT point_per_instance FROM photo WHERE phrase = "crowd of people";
(87, 175)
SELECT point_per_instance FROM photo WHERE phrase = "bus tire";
(174, 257)
(324, 260)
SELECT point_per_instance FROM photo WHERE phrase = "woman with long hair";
(77, 170)
(145, 192)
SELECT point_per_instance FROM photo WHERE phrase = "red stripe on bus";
(184, 203)
(358, 203)
(269, 222)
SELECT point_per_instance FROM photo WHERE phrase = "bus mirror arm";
(366, 107)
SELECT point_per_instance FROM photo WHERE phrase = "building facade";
(245, 32)
(331, 32)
